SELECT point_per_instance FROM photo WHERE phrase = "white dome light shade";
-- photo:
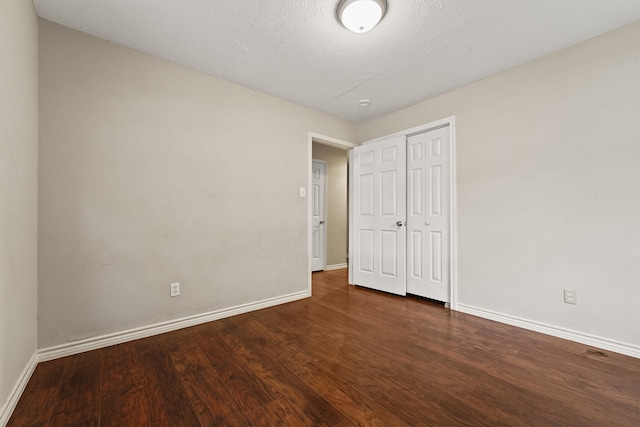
(360, 16)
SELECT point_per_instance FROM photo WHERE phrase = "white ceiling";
(296, 49)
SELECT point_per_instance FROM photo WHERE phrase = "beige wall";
(152, 173)
(548, 180)
(337, 219)
(18, 192)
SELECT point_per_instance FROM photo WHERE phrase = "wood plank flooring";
(347, 356)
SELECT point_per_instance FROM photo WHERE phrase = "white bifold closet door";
(400, 214)
(378, 203)
(428, 214)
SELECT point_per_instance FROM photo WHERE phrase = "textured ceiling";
(296, 49)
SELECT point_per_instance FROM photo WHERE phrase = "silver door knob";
(399, 223)
(428, 223)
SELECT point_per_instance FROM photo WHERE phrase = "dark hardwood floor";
(347, 356)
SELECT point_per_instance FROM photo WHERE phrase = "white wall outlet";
(175, 289)
(570, 297)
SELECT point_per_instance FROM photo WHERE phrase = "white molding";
(95, 343)
(351, 233)
(453, 214)
(417, 129)
(334, 142)
(7, 409)
(336, 267)
(555, 331)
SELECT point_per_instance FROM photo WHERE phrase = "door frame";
(453, 224)
(332, 142)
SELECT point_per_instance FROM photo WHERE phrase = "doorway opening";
(450, 250)
(334, 228)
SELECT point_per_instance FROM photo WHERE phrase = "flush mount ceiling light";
(360, 16)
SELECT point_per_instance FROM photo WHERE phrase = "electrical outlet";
(175, 289)
(570, 297)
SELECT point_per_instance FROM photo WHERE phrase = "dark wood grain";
(81, 377)
(303, 402)
(205, 388)
(167, 400)
(40, 395)
(345, 357)
(124, 399)
(249, 390)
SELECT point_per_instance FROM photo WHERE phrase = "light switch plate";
(303, 192)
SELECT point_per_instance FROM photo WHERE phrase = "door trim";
(333, 142)
(453, 223)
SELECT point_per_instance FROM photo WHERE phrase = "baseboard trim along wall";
(18, 389)
(567, 334)
(95, 343)
(335, 267)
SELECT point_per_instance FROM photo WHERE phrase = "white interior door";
(428, 214)
(379, 215)
(318, 194)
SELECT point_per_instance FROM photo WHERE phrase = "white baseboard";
(89, 344)
(336, 267)
(567, 334)
(94, 343)
(7, 409)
